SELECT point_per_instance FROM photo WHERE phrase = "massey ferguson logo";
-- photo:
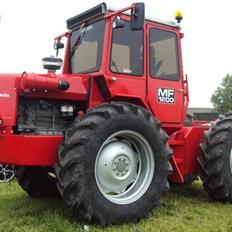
(5, 95)
(166, 96)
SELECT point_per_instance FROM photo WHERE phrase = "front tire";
(216, 160)
(113, 165)
(37, 181)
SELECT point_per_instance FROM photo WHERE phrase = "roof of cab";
(100, 10)
(150, 18)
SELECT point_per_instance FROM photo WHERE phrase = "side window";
(127, 51)
(88, 48)
(88, 51)
(163, 55)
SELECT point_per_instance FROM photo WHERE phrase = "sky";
(27, 29)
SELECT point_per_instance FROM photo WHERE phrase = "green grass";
(185, 208)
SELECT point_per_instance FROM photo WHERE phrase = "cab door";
(165, 78)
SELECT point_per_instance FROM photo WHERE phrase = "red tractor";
(109, 133)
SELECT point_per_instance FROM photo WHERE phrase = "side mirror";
(52, 63)
(118, 23)
(137, 16)
(57, 46)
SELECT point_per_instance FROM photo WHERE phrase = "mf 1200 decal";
(166, 96)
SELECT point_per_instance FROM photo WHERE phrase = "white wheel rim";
(6, 173)
(124, 167)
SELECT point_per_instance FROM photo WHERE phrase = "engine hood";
(47, 86)
(8, 98)
(12, 86)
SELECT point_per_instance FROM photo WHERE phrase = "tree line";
(222, 96)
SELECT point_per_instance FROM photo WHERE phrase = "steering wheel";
(113, 64)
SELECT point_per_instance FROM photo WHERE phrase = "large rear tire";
(37, 181)
(113, 165)
(216, 160)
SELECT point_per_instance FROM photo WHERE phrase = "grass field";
(185, 208)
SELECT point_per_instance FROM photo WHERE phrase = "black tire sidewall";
(226, 162)
(215, 170)
(36, 181)
(102, 133)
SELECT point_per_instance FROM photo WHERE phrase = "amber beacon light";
(179, 16)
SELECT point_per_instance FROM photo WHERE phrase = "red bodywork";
(94, 89)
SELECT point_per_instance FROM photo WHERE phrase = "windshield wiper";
(78, 40)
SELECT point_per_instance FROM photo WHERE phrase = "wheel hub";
(117, 164)
(121, 165)
(124, 167)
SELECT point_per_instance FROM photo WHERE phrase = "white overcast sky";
(28, 27)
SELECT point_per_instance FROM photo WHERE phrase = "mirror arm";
(115, 13)
(59, 37)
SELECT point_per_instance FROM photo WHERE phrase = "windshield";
(86, 48)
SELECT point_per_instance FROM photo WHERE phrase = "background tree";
(222, 97)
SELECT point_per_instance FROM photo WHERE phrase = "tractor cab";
(89, 35)
(138, 57)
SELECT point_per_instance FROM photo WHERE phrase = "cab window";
(87, 48)
(127, 51)
(163, 53)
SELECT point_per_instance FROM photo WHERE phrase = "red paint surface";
(42, 150)
(29, 150)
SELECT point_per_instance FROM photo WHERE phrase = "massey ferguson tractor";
(108, 134)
